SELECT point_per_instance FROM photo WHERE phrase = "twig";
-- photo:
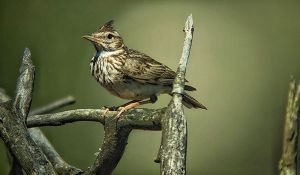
(54, 105)
(174, 126)
(288, 162)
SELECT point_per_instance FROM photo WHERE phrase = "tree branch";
(174, 126)
(116, 131)
(13, 129)
(288, 162)
(146, 119)
(22, 100)
(61, 167)
(16, 168)
(112, 148)
(69, 100)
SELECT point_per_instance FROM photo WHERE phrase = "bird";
(130, 74)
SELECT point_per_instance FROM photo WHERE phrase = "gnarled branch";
(13, 129)
(60, 166)
(116, 131)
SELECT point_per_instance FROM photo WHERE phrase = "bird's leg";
(116, 108)
(135, 103)
(128, 103)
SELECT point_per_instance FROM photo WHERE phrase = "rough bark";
(174, 127)
(13, 129)
(146, 119)
(116, 131)
(60, 166)
(288, 162)
(112, 148)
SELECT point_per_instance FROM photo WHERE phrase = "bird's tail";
(190, 102)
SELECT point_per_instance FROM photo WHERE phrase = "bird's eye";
(109, 36)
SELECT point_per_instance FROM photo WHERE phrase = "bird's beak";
(91, 38)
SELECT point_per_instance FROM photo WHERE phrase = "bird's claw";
(107, 109)
(121, 111)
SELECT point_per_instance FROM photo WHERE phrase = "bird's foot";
(121, 110)
(107, 109)
(126, 107)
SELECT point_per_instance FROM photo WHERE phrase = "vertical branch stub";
(24, 88)
(172, 153)
(178, 86)
(288, 162)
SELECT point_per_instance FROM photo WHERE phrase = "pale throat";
(104, 54)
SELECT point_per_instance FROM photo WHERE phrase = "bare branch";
(13, 130)
(112, 148)
(54, 105)
(22, 100)
(178, 85)
(116, 131)
(146, 119)
(16, 168)
(15, 135)
(288, 162)
(60, 166)
(174, 126)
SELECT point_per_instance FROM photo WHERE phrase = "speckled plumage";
(130, 74)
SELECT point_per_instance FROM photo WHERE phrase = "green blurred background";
(243, 55)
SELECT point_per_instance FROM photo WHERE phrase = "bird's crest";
(108, 26)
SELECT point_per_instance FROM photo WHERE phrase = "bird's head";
(106, 38)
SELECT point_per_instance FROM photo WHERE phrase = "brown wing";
(144, 69)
